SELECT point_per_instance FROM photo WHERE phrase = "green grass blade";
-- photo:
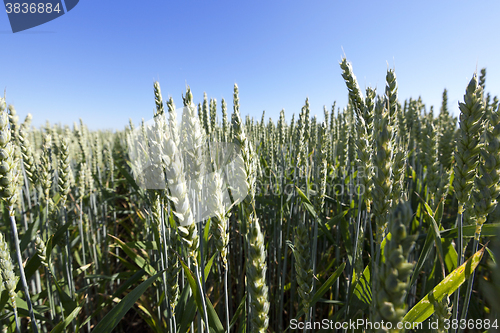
(306, 202)
(213, 318)
(239, 311)
(109, 322)
(425, 308)
(62, 325)
(321, 291)
(488, 230)
(362, 287)
(138, 260)
(429, 241)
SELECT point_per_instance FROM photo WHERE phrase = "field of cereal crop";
(203, 219)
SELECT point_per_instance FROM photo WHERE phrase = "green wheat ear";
(173, 268)
(215, 202)
(468, 144)
(160, 109)
(442, 312)
(447, 126)
(303, 266)
(9, 173)
(64, 170)
(352, 86)
(392, 282)
(41, 251)
(382, 161)
(7, 269)
(256, 279)
(487, 184)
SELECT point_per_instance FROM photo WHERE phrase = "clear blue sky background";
(98, 62)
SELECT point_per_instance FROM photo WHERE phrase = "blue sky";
(99, 61)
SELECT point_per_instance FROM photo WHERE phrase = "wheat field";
(380, 217)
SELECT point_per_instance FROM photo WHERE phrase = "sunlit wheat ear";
(248, 164)
(14, 122)
(8, 181)
(192, 145)
(391, 95)
(382, 162)
(64, 172)
(160, 110)
(291, 128)
(364, 127)
(205, 115)
(215, 203)
(45, 170)
(56, 143)
(9, 173)
(26, 151)
(256, 279)
(402, 129)
(300, 137)
(178, 195)
(41, 251)
(213, 116)
(433, 175)
(365, 148)
(468, 143)
(399, 148)
(110, 162)
(352, 86)
(96, 156)
(89, 184)
(281, 130)
(271, 142)
(172, 121)
(156, 210)
(14, 127)
(225, 124)
(82, 139)
(398, 170)
(6, 266)
(9, 278)
(250, 227)
(323, 167)
(9, 168)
